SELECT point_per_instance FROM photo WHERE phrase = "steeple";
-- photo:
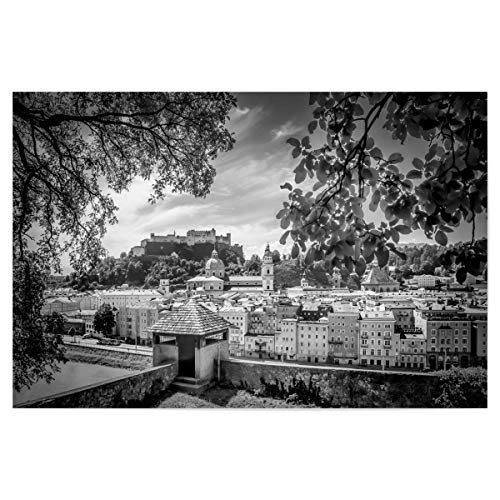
(267, 271)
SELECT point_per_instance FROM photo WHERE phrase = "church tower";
(267, 271)
(303, 281)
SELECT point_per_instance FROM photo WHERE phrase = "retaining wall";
(138, 390)
(332, 387)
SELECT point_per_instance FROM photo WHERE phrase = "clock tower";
(267, 271)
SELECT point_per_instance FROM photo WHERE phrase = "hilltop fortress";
(153, 244)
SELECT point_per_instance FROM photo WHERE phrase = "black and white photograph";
(260, 250)
(248, 249)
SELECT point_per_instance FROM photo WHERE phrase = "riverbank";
(115, 359)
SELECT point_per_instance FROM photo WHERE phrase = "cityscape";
(250, 250)
(367, 288)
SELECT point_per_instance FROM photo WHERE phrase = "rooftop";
(377, 276)
(190, 318)
(246, 278)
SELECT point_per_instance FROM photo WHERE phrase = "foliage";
(253, 266)
(174, 269)
(70, 151)
(36, 349)
(462, 388)
(288, 273)
(276, 256)
(444, 188)
(54, 324)
(104, 320)
(243, 399)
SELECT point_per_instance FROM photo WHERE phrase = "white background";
(243, 46)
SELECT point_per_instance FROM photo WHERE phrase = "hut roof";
(190, 318)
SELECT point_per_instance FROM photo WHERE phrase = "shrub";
(462, 388)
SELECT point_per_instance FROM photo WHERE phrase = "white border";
(259, 45)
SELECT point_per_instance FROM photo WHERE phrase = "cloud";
(243, 120)
(288, 128)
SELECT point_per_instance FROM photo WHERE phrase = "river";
(71, 376)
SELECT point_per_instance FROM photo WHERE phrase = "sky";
(246, 194)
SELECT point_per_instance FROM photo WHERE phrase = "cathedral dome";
(214, 263)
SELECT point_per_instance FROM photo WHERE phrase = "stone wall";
(332, 387)
(94, 355)
(138, 390)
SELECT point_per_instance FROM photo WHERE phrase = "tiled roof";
(190, 318)
(245, 278)
(377, 276)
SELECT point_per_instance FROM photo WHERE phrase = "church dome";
(214, 263)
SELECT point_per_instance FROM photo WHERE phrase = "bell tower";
(267, 271)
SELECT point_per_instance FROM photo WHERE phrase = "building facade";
(376, 331)
(343, 334)
(312, 341)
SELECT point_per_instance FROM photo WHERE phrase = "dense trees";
(104, 320)
(462, 388)
(70, 151)
(351, 173)
(36, 351)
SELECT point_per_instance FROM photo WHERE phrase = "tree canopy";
(70, 152)
(444, 188)
(104, 320)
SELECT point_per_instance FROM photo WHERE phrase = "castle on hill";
(193, 237)
(214, 282)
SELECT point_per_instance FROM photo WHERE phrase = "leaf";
(395, 158)
(281, 213)
(295, 251)
(284, 237)
(287, 185)
(441, 238)
(382, 255)
(418, 163)
(296, 152)
(309, 258)
(306, 143)
(293, 142)
(431, 153)
(300, 174)
(395, 235)
(360, 267)
(358, 110)
(376, 153)
(414, 174)
(461, 274)
(403, 229)
(312, 126)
